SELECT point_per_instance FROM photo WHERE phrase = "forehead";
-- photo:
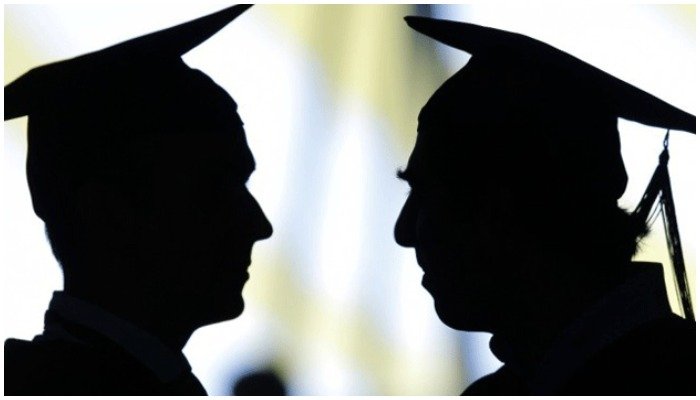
(481, 126)
(473, 127)
(200, 126)
(450, 145)
(220, 148)
(195, 155)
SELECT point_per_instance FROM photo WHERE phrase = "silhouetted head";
(515, 177)
(264, 382)
(135, 157)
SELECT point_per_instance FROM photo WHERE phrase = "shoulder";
(32, 368)
(63, 368)
(658, 358)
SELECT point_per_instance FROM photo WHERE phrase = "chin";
(222, 310)
(234, 309)
(457, 316)
(237, 310)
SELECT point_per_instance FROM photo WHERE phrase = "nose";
(405, 228)
(262, 226)
(265, 227)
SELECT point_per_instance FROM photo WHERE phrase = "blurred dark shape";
(260, 383)
(137, 164)
(513, 216)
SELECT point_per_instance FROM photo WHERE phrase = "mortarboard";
(514, 77)
(625, 100)
(23, 96)
(554, 91)
(81, 110)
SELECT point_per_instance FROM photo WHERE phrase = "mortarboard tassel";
(660, 187)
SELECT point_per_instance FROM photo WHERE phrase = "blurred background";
(334, 306)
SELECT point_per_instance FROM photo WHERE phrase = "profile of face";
(458, 216)
(204, 221)
(138, 166)
(503, 184)
(160, 204)
(455, 232)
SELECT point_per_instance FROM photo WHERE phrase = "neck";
(145, 312)
(528, 328)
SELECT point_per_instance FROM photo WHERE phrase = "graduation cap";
(27, 94)
(625, 100)
(512, 77)
(82, 110)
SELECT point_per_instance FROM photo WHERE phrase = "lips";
(425, 281)
(232, 269)
(425, 265)
(420, 259)
(428, 283)
(244, 277)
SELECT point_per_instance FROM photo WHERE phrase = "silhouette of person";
(513, 216)
(264, 382)
(138, 165)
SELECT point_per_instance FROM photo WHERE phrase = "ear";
(104, 213)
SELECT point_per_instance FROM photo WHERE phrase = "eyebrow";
(403, 175)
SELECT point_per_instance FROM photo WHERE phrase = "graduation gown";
(629, 343)
(86, 351)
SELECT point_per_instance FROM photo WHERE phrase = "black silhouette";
(513, 215)
(137, 165)
(265, 382)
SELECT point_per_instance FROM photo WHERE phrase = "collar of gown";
(166, 364)
(640, 299)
